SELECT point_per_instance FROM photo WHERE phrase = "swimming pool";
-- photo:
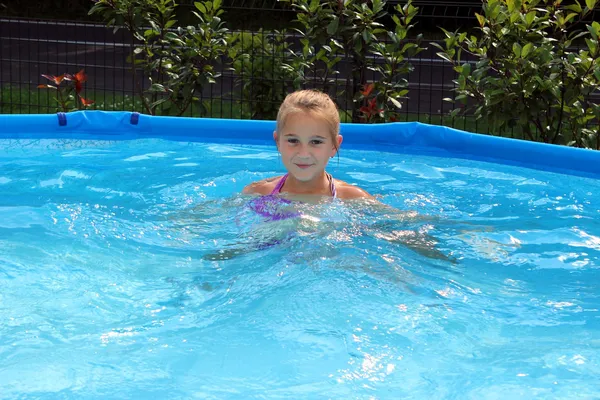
(132, 269)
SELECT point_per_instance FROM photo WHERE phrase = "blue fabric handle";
(62, 119)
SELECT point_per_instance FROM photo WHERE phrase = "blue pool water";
(132, 269)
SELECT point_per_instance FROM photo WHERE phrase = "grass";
(15, 100)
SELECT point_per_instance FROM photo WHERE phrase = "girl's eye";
(316, 142)
(292, 141)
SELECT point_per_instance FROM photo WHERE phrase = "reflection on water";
(137, 265)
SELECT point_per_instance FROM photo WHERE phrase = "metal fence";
(443, 11)
(32, 47)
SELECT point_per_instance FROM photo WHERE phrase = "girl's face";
(306, 145)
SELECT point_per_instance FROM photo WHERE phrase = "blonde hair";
(313, 102)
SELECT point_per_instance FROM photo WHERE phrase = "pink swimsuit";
(269, 206)
(281, 182)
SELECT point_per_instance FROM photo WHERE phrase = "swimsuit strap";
(281, 182)
(279, 185)
(332, 186)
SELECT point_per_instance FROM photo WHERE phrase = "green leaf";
(200, 7)
(530, 17)
(574, 7)
(578, 35)
(158, 102)
(157, 87)
(320, 54)
(592, 45)
(570, 16)
(481, 19)
(596, 28)
(590, 4)
(337, 44)
(149, 33)
(444, 56)
(333, 26)
(437, 45)
(593, 32)
(396, 102)
(466, 69)
(216, 4)
(358, 46)
(511, 5)
(517, 49)
(454, 113)
(526, 49)
(366, 36)
(172, 36)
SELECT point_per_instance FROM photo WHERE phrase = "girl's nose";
(303, 152)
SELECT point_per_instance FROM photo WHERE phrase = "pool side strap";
(62, 119)
(135, 118)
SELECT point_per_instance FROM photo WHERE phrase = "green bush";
(261, 64)
(383, 96)
(353, 29)
(525, 70)
(178, 62)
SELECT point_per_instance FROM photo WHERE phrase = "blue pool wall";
(400, 137)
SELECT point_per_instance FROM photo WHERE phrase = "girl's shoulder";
(263, 187)
(346, 191)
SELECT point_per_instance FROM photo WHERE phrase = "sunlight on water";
(137, 268)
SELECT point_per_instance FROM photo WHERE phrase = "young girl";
(307, 136)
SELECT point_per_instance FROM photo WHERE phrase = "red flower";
(370, 110)
(86, 102)
(368, 89)
(373, 103)
(55, 79)
(79, 78)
